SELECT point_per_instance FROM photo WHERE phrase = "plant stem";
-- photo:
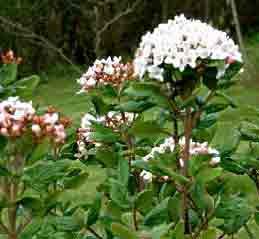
(3, 228)
(222, 236)
(94, 233)
(135, 220)
(13, 187)
(186, 156)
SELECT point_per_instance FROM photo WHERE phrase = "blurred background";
(47, 32)
(58, 39)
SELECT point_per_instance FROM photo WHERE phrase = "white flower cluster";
(112, 119)
(183, 42)
(195, 149)
(106, 71)
(14, 116)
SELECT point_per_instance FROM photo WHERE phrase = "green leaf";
(44, 173)
(249, 132)
(256, 217)
(236, 213)
(8, 74)
(66, 224)
(161, 168)
(207, 121)
(3, 143)
(31, 229)
(198, 194)
(4, 171)
(119, 193)
(39, 152)
(158, 214)
(147, 90)
(25, 87)
(100, 106)
(94, 211)
(107, 156)
(146, 129)
(123, 172)
(228, 100)
(178, 231)
(215, 108)
(210, 77)
(103, 134)
(225, 84)
(76, 181)
(159, 231)
(232, 70)
(135, 106)
(227, 138)
(144, 201)
(122, 231)
(211, 233)
(33, 203)
(232, 166)
(208, 174)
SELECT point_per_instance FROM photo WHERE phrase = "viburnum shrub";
(152, 128)
(30, 175)
(34, 164)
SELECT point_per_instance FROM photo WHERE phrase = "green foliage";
(10, 85)
(235, 212)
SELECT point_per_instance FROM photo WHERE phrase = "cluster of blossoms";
(196, 148)
(50, 125)
(15, 116)
(110, 71)
(184, 43)
(18, 118)
(112, 119)
(10, 58)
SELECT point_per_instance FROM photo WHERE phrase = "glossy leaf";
(122, 231)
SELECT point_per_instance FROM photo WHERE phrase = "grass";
(60, 90)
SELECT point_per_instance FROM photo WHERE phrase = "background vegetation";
(78, 31)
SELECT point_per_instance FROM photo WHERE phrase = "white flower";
(36, 129)
(51, 118)
(87, 120)
(147, 176)
(91, 82)
(108, 69)
(181, 43)
(196, 148)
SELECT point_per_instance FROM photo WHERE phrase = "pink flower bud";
(4, 131)
(49, 128)
(36, 129)
(230, 60)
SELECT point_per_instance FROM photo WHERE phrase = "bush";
(151, 128)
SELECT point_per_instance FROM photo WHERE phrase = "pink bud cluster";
(18, 118)
(112, 119)
(9, 58)
(110, 71)
(50, 125)
(15, 116)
